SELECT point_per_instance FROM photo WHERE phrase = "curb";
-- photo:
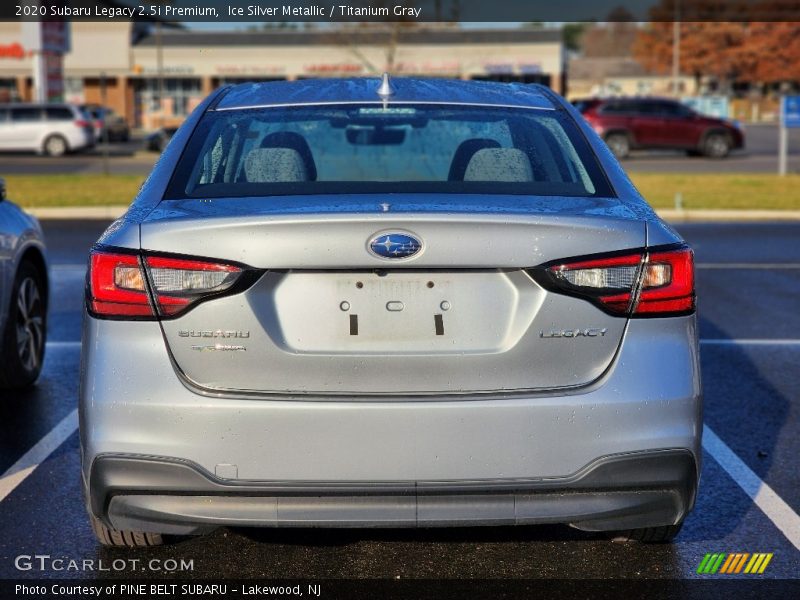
(686, 216)
(671, 215)
(76, 212)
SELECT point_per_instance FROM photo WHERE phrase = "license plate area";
(403, 312)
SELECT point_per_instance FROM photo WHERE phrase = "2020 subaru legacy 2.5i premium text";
(388, 303)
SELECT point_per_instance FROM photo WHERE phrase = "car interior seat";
(499, 164)
(464, 153)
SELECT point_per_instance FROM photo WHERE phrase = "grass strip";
(698, 191)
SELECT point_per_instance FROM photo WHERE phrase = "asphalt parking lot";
(130, 158)
(760, 155)
(749, 291)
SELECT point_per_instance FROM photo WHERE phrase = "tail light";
(82, 124)
(124, 285)
(655, 282)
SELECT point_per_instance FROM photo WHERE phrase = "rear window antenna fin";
(385, 89)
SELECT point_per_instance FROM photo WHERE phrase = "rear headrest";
(499, 164)
(295, 141)
(267, 165)
(465, 151)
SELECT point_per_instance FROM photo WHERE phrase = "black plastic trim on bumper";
(623, 491)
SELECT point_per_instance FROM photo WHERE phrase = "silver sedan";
(378, 303)
(23, 295)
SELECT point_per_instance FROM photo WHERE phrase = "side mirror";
(2, 189)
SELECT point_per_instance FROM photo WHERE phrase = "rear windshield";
(347, 149)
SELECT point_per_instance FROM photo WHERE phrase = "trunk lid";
(328, 318)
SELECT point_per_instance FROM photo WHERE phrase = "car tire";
(23, 344)
(716, 145)
(55, 145)
(123, 538)
(619, 144)
(649, 535)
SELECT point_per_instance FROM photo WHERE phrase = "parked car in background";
(659, 123)
(159, 139)
(105, 120)
(23, 295)
(51, 129)
(374, 303)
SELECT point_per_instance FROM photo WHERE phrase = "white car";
(51, 129)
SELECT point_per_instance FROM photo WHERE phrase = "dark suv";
(632, 123)
(117, 128)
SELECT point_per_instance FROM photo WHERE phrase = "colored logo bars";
(731, 564)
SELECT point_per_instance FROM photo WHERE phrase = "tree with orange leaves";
(771, 53)
(745, 50)
(707, 49)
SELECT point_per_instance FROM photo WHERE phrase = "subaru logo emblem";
(394, 245)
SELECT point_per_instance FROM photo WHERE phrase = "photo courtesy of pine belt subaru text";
(388, 302)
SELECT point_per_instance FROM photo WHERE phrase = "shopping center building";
(130, 65)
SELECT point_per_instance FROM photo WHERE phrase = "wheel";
(26, 329)
(619, 144)
(123, 537)
(716, 145)
(649, 535)
(55, 145)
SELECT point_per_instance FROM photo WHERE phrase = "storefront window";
(74, 91)
(8, 90)
(178, 95)
(219, 81)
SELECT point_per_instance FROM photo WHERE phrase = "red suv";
(632, 123)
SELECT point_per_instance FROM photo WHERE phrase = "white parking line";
(749, 342)
(786, 265)
(772, 505)
(27, 464)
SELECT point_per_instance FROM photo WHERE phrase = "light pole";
(676, 49)
(104, 120)
(160, 73)
(159, 62)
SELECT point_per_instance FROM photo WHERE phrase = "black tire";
(23, 343)
(649, 535)
(717, 145)
(619, 144)
(55, 145)
(123, 538)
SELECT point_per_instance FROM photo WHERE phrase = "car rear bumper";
(175, 497)
(487, 459)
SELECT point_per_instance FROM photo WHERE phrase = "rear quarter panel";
(19, 231)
